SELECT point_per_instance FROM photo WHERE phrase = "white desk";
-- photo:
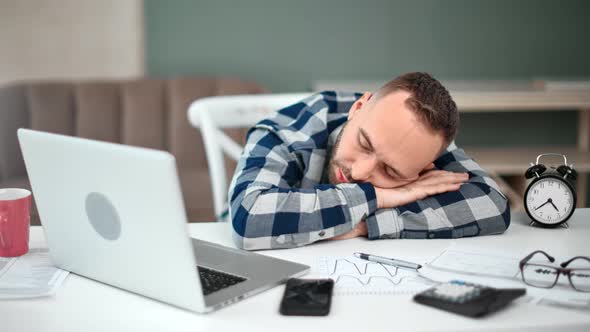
(85, 305)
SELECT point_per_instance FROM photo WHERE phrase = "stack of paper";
(31, 275)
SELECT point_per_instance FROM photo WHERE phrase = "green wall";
(285, 45)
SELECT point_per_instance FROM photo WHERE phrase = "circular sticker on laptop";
(103, 216)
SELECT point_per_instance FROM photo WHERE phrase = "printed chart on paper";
(354, 276)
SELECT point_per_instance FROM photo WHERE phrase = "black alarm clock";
(550, 198)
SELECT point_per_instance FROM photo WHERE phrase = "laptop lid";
(114, 214)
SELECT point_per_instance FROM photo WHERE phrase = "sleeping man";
(380, 165)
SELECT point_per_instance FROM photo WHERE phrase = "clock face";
(549, 200)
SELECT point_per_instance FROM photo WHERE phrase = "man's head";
(395, 134)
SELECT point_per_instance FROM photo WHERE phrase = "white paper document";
(354, 276)
(30, 275)
(469, 260)
(499, 269)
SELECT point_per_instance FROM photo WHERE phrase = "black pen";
(388, 261)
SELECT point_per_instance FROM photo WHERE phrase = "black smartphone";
(307, 297)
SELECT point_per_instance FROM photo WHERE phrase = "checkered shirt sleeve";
(477, 208)
(270, 204)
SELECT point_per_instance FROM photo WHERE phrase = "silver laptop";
(115, 214)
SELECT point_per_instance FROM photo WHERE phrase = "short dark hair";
(429, 99)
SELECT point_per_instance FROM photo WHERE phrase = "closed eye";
(390, 172)
(364, 143)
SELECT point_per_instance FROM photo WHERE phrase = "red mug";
(15, 207)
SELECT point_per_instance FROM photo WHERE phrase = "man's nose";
(363, 168)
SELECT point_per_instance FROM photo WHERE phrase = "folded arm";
(477, 208)
(269, 211)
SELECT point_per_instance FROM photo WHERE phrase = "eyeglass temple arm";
(527, 258)
(565, 264)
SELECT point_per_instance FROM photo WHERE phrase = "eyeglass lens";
(580, 274)
(539, 275)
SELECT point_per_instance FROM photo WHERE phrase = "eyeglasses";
(545, 276)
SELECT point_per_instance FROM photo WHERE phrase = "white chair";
(212, 114)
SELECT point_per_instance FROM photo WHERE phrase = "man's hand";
(359, 230)
(429, 183)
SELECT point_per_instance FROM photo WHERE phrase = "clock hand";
(540, 206)
(555, 207)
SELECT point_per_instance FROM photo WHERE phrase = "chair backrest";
(212, 114)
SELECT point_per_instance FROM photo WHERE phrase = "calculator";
(466, 298)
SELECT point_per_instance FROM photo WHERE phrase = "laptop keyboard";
(212, 280)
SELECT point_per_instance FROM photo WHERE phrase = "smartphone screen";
(307, 297)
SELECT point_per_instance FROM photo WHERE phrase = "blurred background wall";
(49, 39)
(286, 45)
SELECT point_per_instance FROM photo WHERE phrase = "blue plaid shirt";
(280, 197)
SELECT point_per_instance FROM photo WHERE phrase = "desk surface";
(85, 305)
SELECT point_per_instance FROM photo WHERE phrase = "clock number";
(536, 191)
(542, 185)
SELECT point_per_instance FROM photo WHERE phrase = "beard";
(334, 164)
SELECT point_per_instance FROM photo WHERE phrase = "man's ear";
(359, 104)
